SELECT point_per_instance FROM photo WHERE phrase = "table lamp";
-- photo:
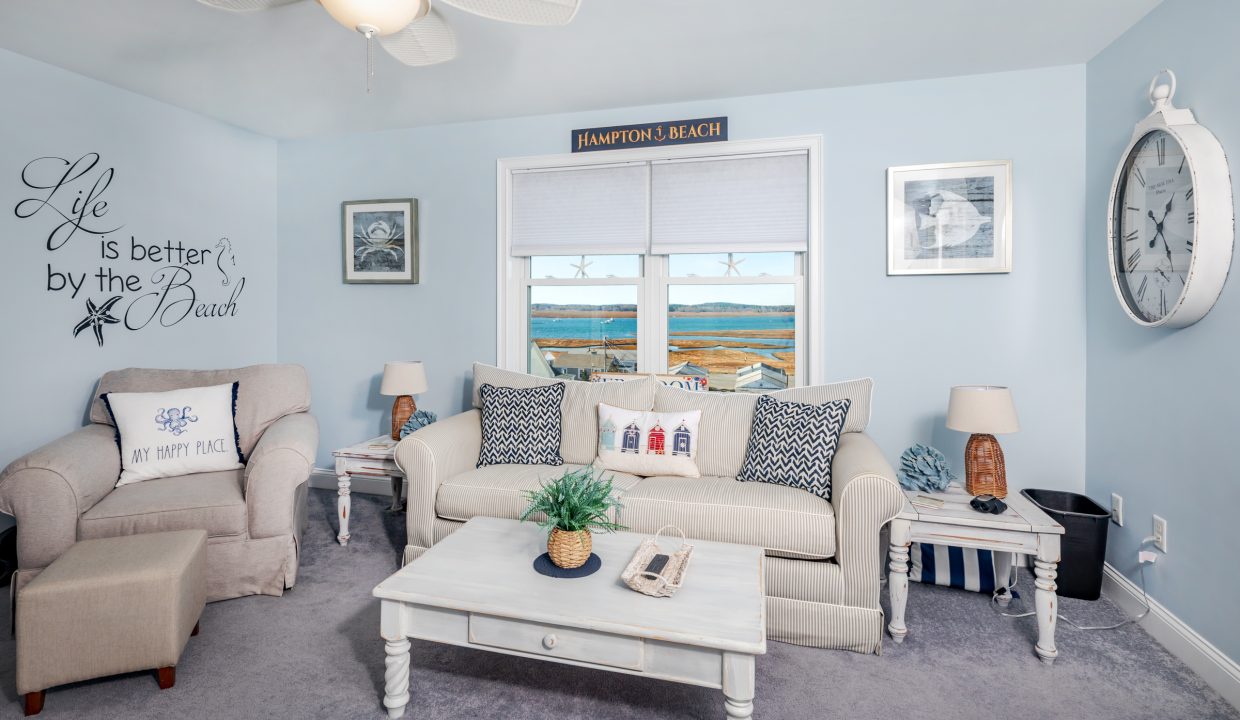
(983, 410)
(404, 379)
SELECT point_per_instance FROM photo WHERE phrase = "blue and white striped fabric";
(967, 569)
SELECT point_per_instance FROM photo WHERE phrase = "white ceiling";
(293, 72)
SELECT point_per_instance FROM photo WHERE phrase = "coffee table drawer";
(554, 641)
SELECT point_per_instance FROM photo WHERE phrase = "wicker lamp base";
(402, 409)
(984, 473)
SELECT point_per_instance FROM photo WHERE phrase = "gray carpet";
(315, 653)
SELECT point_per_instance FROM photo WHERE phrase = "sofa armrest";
(282, 460)
(49, 488)
(428, 457)
(865, 496)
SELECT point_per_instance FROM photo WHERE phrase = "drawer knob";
(549, 642)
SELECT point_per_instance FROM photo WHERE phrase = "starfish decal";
(581, 267)
(731, 266)
(97, 317)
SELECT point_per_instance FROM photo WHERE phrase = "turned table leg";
(897, 578)
(344, 507)
(396, 677)
(738, 685)
(1046, 603)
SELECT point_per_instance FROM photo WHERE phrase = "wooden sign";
(694, 383)
(669, 132)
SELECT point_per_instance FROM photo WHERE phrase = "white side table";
(372, 458)
(1022, 528)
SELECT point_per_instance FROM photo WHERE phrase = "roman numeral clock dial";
(1171, 217)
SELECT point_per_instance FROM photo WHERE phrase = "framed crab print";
(380, 241)
(950, 218)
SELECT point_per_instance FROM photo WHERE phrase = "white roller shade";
(580, 211)
(755, 203)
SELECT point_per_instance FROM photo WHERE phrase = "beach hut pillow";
(648, 443)
(177, 432)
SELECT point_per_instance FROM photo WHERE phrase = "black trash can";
(1083, 548)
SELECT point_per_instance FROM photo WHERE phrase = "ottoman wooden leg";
(34, 703)
(195, 631)
(167, 677)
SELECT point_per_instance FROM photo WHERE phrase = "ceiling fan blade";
(425, 41)
(245, 6)
(522, 12)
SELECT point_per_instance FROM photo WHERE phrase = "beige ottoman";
(110, 606)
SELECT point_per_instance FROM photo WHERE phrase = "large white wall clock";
(1171, 223)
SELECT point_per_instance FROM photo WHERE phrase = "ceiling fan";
(411, 30)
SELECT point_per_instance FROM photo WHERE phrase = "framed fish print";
(951, 218)
(380, 241)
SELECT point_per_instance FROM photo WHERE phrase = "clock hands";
(1158, 229)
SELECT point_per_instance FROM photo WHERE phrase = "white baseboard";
(326, 480)
(1221, 672)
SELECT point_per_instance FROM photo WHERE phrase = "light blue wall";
(179, 177)
(915, 335)
(1164, 405)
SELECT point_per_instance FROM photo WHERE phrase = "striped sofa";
(823, 557)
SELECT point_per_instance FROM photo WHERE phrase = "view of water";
(701, 327)
(707, 327)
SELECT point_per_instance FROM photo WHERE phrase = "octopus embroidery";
(174, 420)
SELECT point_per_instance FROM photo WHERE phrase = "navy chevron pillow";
(521, 426)
(793, 444)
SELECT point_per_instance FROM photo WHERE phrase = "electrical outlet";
(1160, 533)
(1117, 509)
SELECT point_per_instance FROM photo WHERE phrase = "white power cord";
(1144, 556)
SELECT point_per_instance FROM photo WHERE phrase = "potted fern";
(573, 504)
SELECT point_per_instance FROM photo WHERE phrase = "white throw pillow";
(648, 443)
(178, 432)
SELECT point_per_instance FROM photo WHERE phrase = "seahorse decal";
(225, 257)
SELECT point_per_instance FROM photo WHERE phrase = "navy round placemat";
(544, 566)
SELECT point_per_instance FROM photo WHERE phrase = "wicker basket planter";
(569, 549)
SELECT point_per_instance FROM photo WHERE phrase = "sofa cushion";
(726, 417)
(521, 426)
(785, 521)
(265, 393)
(648, 443)
(204, 501)
(579, 442)
(793, 444)
(499, 490)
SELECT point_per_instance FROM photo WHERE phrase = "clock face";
(1154, 221)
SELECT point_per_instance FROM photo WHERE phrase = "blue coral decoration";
(924, 468)
(419, 419)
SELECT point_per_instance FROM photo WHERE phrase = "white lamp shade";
(403, 378)
(982, 409)
(386, 16)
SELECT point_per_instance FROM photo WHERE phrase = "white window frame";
(513, 278)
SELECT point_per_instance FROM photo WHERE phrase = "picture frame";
(380, 241)
(949, 218)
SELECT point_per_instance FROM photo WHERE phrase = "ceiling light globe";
(385, 16)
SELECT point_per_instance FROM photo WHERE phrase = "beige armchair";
(65, 491)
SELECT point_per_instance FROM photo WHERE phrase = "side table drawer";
(554, 641)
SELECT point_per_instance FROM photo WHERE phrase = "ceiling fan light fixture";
(377, 17)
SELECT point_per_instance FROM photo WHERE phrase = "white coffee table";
(1022, 528)
(477, 588)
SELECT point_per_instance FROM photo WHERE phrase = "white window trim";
(511, 347)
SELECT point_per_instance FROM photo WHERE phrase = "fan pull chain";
(370, 60)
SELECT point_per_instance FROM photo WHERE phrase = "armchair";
(65, 491)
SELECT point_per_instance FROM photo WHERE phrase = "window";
(672, 263)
